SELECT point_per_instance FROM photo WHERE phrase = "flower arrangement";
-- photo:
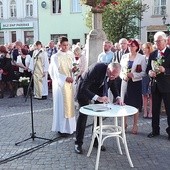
(125, 70)
(158, 62)
(99, 4)
(24, 81)
(75, 69)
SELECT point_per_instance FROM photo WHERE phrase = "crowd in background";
(134, 82)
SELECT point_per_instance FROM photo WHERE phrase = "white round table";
(103, 132)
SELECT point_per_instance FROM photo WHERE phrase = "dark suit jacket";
(162, 79)
(91, 82)
(118, 55)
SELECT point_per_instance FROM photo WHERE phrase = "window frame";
(1, 9)
(55, 37)
(13, 9)
(159, 7)
(76, 6)
(29, 12)
(54, 7)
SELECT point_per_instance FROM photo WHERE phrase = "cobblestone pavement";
(15, 125)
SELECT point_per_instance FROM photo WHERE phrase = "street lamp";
(167, 25)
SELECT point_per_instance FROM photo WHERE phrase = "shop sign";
(16, 25)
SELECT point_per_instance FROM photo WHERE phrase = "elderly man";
(161, 82)
(123, 42)
(52, 49)
(93, 86)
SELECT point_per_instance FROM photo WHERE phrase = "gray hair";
(114, 66)
(160, 34)
(123, 40)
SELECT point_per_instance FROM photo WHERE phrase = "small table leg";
(125, 142)
(93, 136)
(99, 143)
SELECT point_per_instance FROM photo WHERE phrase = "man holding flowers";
(159, 70)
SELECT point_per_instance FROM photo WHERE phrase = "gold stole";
(38, 76)
(65, 63)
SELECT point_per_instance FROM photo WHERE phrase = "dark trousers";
(81, 124)
(157, 98)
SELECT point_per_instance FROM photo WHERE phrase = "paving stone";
(15, 125)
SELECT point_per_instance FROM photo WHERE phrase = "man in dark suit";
(123, 42)
(91, 87)
(161, 82)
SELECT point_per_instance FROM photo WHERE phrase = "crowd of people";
(128, 72)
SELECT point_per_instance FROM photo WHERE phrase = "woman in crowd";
(81, 61)
(146, 89)
(6, 71)
(133, 69)
(23, 62)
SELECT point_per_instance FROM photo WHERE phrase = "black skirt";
(133, 96)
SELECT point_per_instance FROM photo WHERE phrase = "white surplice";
(60, 122)
(39, 65)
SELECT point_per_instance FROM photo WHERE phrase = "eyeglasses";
(158, 41)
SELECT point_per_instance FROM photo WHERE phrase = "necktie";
(51, 52)
(105, 87)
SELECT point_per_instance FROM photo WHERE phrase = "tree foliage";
(123, 19)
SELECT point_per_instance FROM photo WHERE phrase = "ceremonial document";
(96, 107)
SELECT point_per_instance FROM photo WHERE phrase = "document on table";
(96, 107)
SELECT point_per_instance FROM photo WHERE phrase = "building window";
(159, 7)
(28, 37)
(1, 10)
(1, 37)
(13, 11)
(13, 36)
(29, 8)
(76, 6)
(75, 41)
(56, 6)
(55, 37)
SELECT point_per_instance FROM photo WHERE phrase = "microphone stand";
(30, 93)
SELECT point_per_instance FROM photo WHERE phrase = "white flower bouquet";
(75, 69)
(24, 81)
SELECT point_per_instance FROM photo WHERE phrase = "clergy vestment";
(39, 65)
(63, 95)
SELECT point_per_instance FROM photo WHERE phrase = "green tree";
(122, 20)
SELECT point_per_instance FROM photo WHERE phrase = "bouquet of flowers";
(98, 4)
(158, 62)
(24, 81)
(75, 69)
(126, 69)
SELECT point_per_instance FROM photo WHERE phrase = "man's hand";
(130, 75)
(161, 69)
(152, 73)
(103, 99)
(119, 101)
(69, 80)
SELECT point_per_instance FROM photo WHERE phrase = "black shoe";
(102, 147)
(78, 149)
(64, 135)
(1, 96)
(11, 96)
(151, 135)
(168, 137)
(43, 98)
